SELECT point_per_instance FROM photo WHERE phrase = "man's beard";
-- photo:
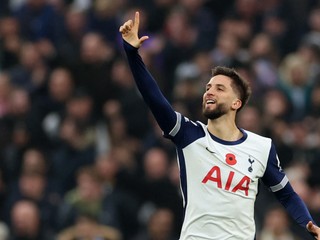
(219, 111)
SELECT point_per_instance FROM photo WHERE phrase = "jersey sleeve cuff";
(176, 127)
(128, 47)
(280, 185)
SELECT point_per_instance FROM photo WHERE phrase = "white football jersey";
(219, 181)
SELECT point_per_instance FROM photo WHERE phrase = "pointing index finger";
(137, 19)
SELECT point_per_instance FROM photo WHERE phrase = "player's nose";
(210, 92)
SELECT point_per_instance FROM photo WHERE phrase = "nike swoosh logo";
(209, 150)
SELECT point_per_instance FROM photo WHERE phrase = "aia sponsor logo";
(232, 184)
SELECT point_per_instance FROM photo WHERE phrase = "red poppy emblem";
(231, 159)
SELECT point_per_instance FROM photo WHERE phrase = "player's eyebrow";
(218, 85)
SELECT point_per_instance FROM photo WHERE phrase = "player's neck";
(224, 128)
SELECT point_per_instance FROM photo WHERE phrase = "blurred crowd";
(81, 157)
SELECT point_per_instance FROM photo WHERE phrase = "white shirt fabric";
(219, 181)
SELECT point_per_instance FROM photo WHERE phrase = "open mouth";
(210, 101)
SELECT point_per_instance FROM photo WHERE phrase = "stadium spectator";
(250, 119)
(130, 101)
(10, 42)
(33, 186)
(86, 227)
(276, 225)
(34, 160)
(52, 106)
(107, 168)
(103, 18)
(203, 20)
(91, 197)
(155, 187)
(93, 69)
(75, 150)
(264, 61)
(180, 43)
(69, 43)
(295, 80)
(160, 226)
(22, 126)
(187, 89)
(38, 21)
(227, 50)
(26, 222)
(31, 72)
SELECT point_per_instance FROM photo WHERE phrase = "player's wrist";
(128, 46)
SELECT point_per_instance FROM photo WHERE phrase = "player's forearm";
(158, 104)
(294, 205)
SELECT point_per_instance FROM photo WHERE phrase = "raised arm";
(158, 104)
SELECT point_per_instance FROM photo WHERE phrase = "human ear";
(236, 104)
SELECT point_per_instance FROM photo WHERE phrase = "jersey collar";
(224, 142)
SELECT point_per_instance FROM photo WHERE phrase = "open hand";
(129, 31)
(314, 229)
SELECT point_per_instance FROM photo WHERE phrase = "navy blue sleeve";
(294, 205)
(185, 131)
(158, 104)
(279, 184)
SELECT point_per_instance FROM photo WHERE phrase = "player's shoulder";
(187, 131)
(187, 122)
(257, 137)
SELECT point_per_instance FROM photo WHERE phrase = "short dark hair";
(239, 84)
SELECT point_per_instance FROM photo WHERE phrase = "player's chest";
(231, 168)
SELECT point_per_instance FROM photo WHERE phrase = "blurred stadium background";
(80, 153)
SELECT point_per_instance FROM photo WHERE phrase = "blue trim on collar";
(224, 142)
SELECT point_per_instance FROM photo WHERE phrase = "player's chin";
(207, 112)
